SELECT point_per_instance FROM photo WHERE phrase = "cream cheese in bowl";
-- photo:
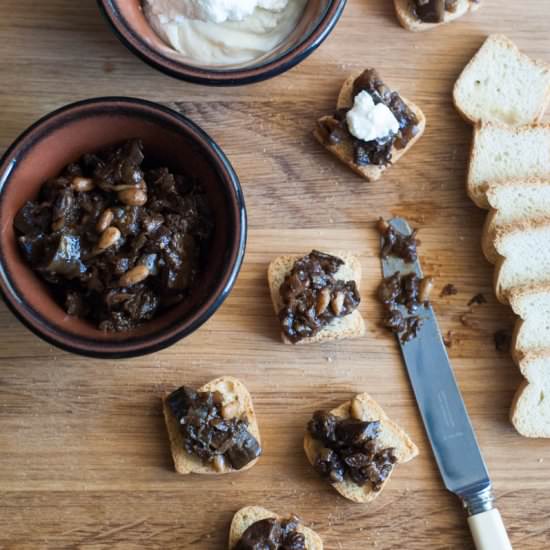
(223, 32)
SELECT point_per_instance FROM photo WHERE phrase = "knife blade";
(445, 418)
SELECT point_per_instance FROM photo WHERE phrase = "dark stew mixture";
(408, 292)
(273, 534)
(379, 151)
(211, 430)
(312, 297)
(395, 243)
(433, 11)
(402, 295)
(117, 242)
(351, 450)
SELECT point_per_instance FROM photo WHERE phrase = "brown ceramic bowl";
(130, 25)
(171, 140)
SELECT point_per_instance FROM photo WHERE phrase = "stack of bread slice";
(505, 93)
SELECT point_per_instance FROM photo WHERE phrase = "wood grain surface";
(84, 457)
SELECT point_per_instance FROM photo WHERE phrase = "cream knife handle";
(488, 531)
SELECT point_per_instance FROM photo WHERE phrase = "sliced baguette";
(391, 436)
(525, 256)
(344, 149)
(502, 85)
(530, 412)
(403, 9)
(349, 326)
(232, 390)
(532, 331)
(501, 153)
(511, 202)
(249, 515)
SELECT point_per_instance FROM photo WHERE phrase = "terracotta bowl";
(46, 147)
(130, 25)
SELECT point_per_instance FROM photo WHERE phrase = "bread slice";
(349, 326)
(403, 9)
(502, 85)
(344, 149)
(511, 202)
(232, 390)
(249, 515)
(502, 153)
(530, 412)
(525, 256)
(532, 331)
(391, 436)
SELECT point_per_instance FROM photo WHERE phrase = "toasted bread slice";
(349, 326)
(512, 202)
(532, 331)
(524, 256)
(530, 412)
(502, 153)
(502, 85)
(232, 390)
(403, 9)
(391, 436)
(344, 149)
(249, 515)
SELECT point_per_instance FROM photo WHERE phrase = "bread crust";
(522, 405)
(490, 226)
(344, 149)
(249, 515)
(476, 194)
(232, 389)
(478, 191)
(517, 355)
(411, 23)
(514, 296)
(391, 435)
(502, 295)
(509, 44)
(515, 413)
(488, 234)
(349, 326)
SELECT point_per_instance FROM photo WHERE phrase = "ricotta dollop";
(368, 122)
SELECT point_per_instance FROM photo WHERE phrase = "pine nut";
(337, 303)
(108, 238)
(219, 463)
(355, 409)
(133, 197)
(105, 220)
(134, 276)
(425, 290)
(322, 301)
(82, 185)
(231, 410)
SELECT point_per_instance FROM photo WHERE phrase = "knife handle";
(488, 531)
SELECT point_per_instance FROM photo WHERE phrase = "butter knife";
(446, 420)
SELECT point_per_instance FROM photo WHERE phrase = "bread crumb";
(541, 460)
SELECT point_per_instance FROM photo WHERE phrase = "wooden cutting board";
(84, 460)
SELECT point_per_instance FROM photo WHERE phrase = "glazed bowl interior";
(129, 21)
(169, 140)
